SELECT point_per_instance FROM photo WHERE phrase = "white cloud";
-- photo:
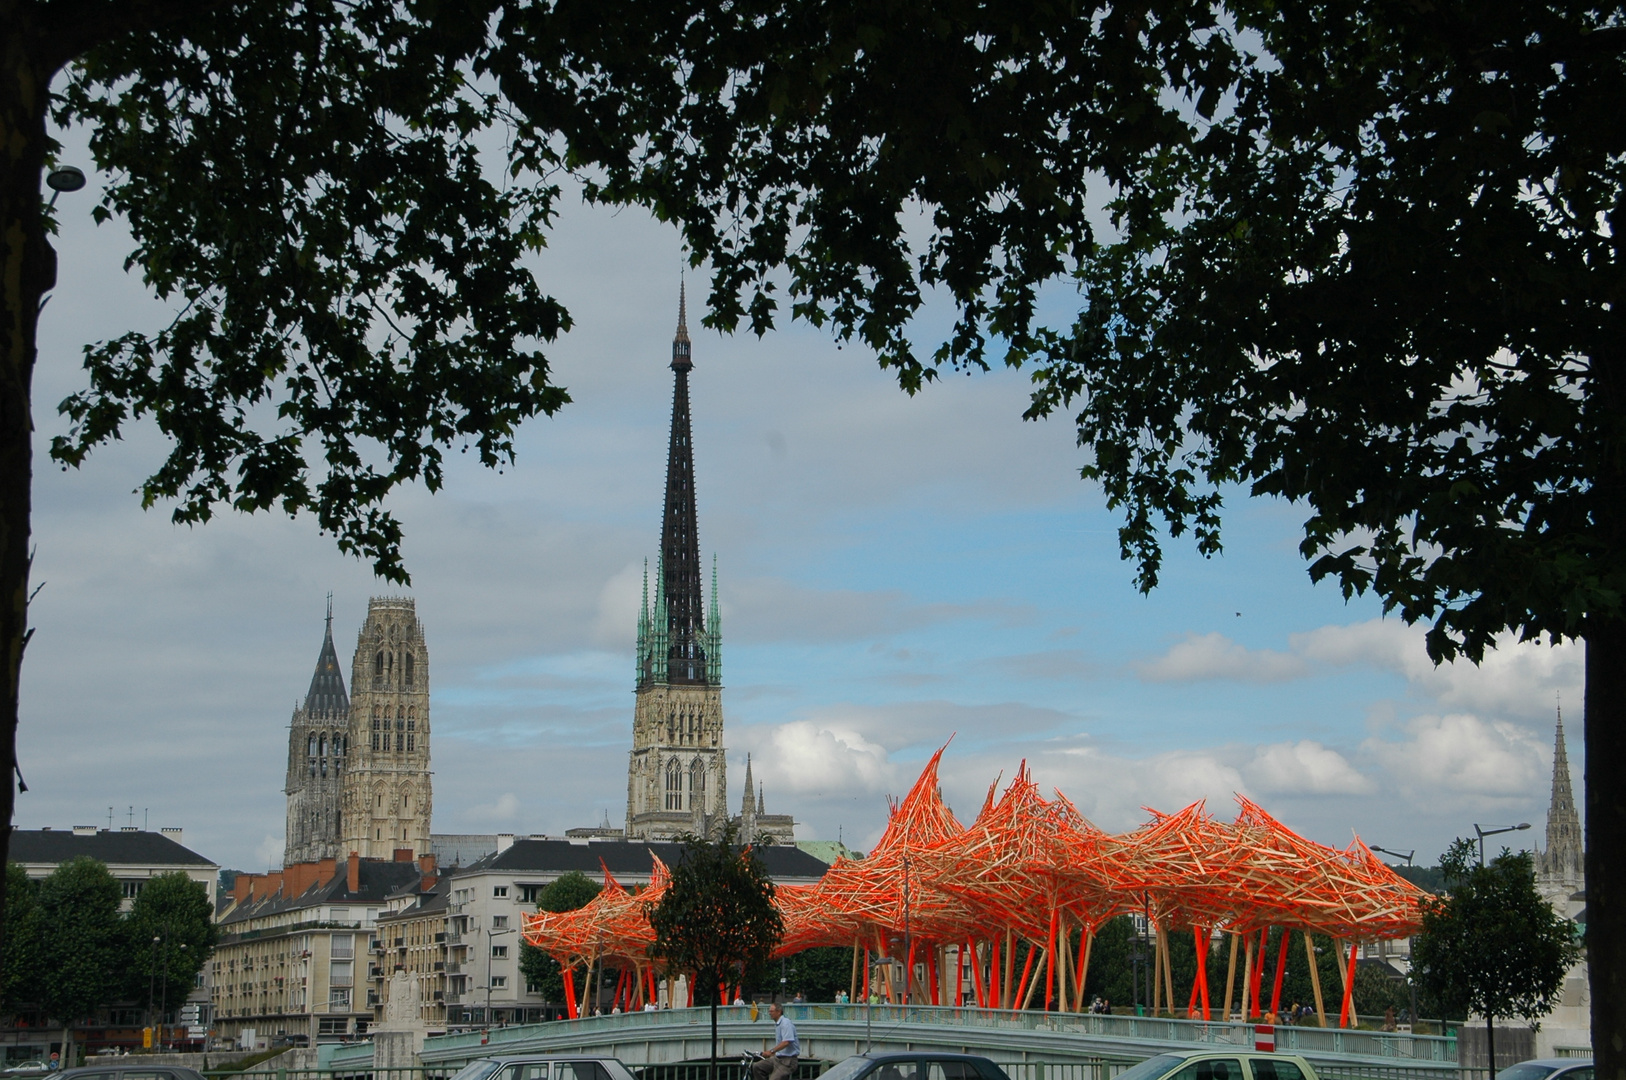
(1305, 768)
(1461, 758)
(505, 808)
(269, 852)
(616, 623)
(1514, 679)
(1215, 656)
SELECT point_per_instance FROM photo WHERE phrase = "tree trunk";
(1490, 1042)
(716, 988)
(1605, 737)
(27, 272)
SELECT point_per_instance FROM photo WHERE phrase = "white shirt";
(785, 1032)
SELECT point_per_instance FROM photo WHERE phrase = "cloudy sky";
(894, 572)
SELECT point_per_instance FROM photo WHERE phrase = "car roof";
(123, 1064)
(910, 1055)
(1558, 1063)
(1223, 1051)
(507, 1058)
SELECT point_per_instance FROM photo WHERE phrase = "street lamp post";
(1411, 982)
(490, 933)
(1482, 833)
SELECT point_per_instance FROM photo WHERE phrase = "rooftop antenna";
(330, 611)
(144, 818)
(109, 819)
(131, 817)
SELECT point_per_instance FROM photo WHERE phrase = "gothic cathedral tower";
(318, 740)
(677, 776)
(387, 797)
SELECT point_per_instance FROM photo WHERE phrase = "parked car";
(1575, 1068)
(914, 1065)
(1236, 1064)
(128, 1068)
(545, 1067)
(27, 1068)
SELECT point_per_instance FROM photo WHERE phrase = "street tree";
(567, 892)
(23, 946)
(716, 919)
(85, 949)
(1364, 257)
(171, 932)
(1492, 944)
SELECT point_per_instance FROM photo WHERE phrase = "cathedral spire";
(680, 570)
(1561, 862)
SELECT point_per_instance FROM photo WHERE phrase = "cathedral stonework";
(318, 739)
(1560, 867)
(387, 796)
(358, 769)
(677, 775)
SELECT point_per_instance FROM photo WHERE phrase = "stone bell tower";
(387, 794)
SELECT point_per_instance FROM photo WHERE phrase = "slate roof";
(632, 858)
(122, 848)
(376, 880)
(327, 694)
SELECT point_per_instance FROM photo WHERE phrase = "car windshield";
(476, 1070)
(1151, 1067)
(1528, 1070)
(847, 1068)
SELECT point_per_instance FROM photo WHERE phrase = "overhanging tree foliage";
(716, 919)
(23, 950)
(567, 892)
(1362, 256)
(1493, 945)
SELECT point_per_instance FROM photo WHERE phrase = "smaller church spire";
(327, 696)
(745, 804)
(1562, 862)
(680, 340)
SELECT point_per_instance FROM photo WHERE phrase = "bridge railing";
(1310, 1041)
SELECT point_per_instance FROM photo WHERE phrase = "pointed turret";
(748, 811)
(327, 697)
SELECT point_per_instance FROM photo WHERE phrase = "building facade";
(677, 774)
(290, 946)
(358, 767)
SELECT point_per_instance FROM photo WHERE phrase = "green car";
(1235, 1064)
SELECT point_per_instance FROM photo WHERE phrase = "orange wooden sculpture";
(953, 906)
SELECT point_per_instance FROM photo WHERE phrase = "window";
(1270, 1069)
(499, 952)
(674, 786)
(529, 893)
(344, 945)
(131, 889)
(534, 1071)
(412, 724)
(375, 737)
(499, 982)
(500, 922)
(951, 1070)
(581, 1070)
(339, 999)
(334, 1025)
(311, 747)
(1217, 1069)
(378, 666)
(500, 891)
(342, 973)
(409, 666)
(411, 741)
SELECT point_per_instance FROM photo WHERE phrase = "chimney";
(84, 830)
(404, 854)
(505, 840)
(325, 869)
(242, 887)
(172, 834)
(428, 876)
(353, 874)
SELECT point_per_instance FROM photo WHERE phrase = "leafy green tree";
(817, 973)
(86, 949)
(24, 944)
(171, 933)
(567, 892)
(1493, 945)
(716, 919)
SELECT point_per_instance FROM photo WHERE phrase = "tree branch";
(70, 28)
